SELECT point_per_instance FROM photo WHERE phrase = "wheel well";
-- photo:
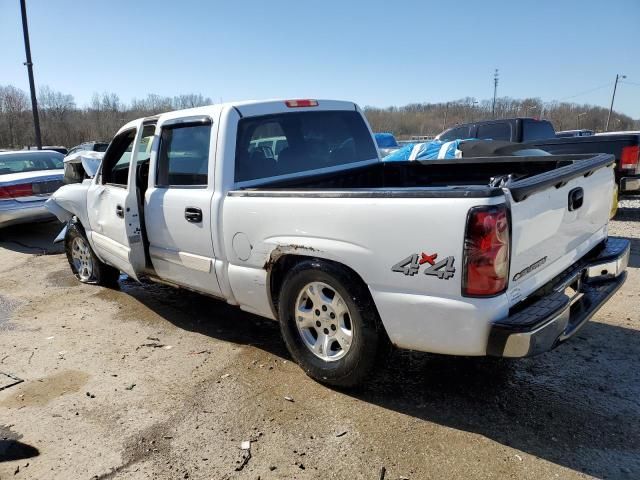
(285, 263)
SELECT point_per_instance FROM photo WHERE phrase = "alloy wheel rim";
(323, 321)
(82, 259)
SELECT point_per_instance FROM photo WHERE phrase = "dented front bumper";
(563, 306)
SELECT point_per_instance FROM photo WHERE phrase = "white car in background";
(27, 179)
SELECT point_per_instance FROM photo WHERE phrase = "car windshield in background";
(100, 147)
(300, 141)
(30, 162)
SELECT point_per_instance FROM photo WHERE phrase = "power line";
(630, 83)
(586, 91)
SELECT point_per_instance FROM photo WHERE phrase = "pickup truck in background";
(583, 132)
(503, 256)
(625, 146)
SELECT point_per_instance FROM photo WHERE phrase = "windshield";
(296, 142)
(30, 162)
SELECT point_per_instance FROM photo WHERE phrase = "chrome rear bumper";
(23, 213)
(571, 299)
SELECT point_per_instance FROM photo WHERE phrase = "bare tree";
(64, 123)
(14, 107)
(56, 111)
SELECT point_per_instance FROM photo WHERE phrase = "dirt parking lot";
(151, 382)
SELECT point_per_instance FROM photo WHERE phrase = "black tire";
(101, 273)
(369, 343)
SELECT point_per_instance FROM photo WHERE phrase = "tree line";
(432, 118)
(63, 122)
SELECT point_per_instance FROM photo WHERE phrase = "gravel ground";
(150, 382)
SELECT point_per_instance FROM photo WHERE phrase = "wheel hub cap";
(82, 259)
(324, 321)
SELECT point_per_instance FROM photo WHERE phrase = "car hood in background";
(90, 160)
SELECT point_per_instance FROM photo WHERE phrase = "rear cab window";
(296, 142)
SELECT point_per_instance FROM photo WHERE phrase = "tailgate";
(556, 218)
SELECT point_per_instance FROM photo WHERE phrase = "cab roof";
(249, 108)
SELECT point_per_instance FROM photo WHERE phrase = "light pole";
(613, 96)
(473, 109)
(29, 64)
(578, 120)
(444, 121)
(526, 110)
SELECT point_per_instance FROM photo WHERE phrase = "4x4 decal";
(410, 266)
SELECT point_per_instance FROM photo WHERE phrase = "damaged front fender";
(69, 201)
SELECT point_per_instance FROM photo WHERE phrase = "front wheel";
(83, 261)
(330, 324)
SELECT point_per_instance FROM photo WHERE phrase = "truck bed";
(468, 177)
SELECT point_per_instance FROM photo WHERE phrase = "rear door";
(554, 227)
(112, 203)
(178, 214)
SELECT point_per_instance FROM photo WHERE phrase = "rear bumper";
(12, 213)
(571, 300)
(630, 185)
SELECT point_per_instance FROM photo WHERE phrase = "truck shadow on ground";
(627, 214)
(32, 238)
(576, 406)
(12, 449)
(634, 259)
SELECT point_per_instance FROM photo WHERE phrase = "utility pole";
(578, 119)
(32, 86)
(495, 91)
(613, 96)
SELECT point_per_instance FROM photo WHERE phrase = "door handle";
(119, 211)
(193, 214)
(576, 198)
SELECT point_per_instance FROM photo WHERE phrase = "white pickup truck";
(503, 256)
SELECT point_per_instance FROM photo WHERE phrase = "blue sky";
(375, 53)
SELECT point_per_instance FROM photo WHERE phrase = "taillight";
(15, 191)
(301, 103)
(486, 251)
(630, 158)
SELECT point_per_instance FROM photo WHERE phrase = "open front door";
(112, 200)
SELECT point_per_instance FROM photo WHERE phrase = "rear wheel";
(84, 264)
(330, 324)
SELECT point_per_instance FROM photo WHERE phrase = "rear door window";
(183, 158)
(459, 133)
(495, 131)
(297, 142)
